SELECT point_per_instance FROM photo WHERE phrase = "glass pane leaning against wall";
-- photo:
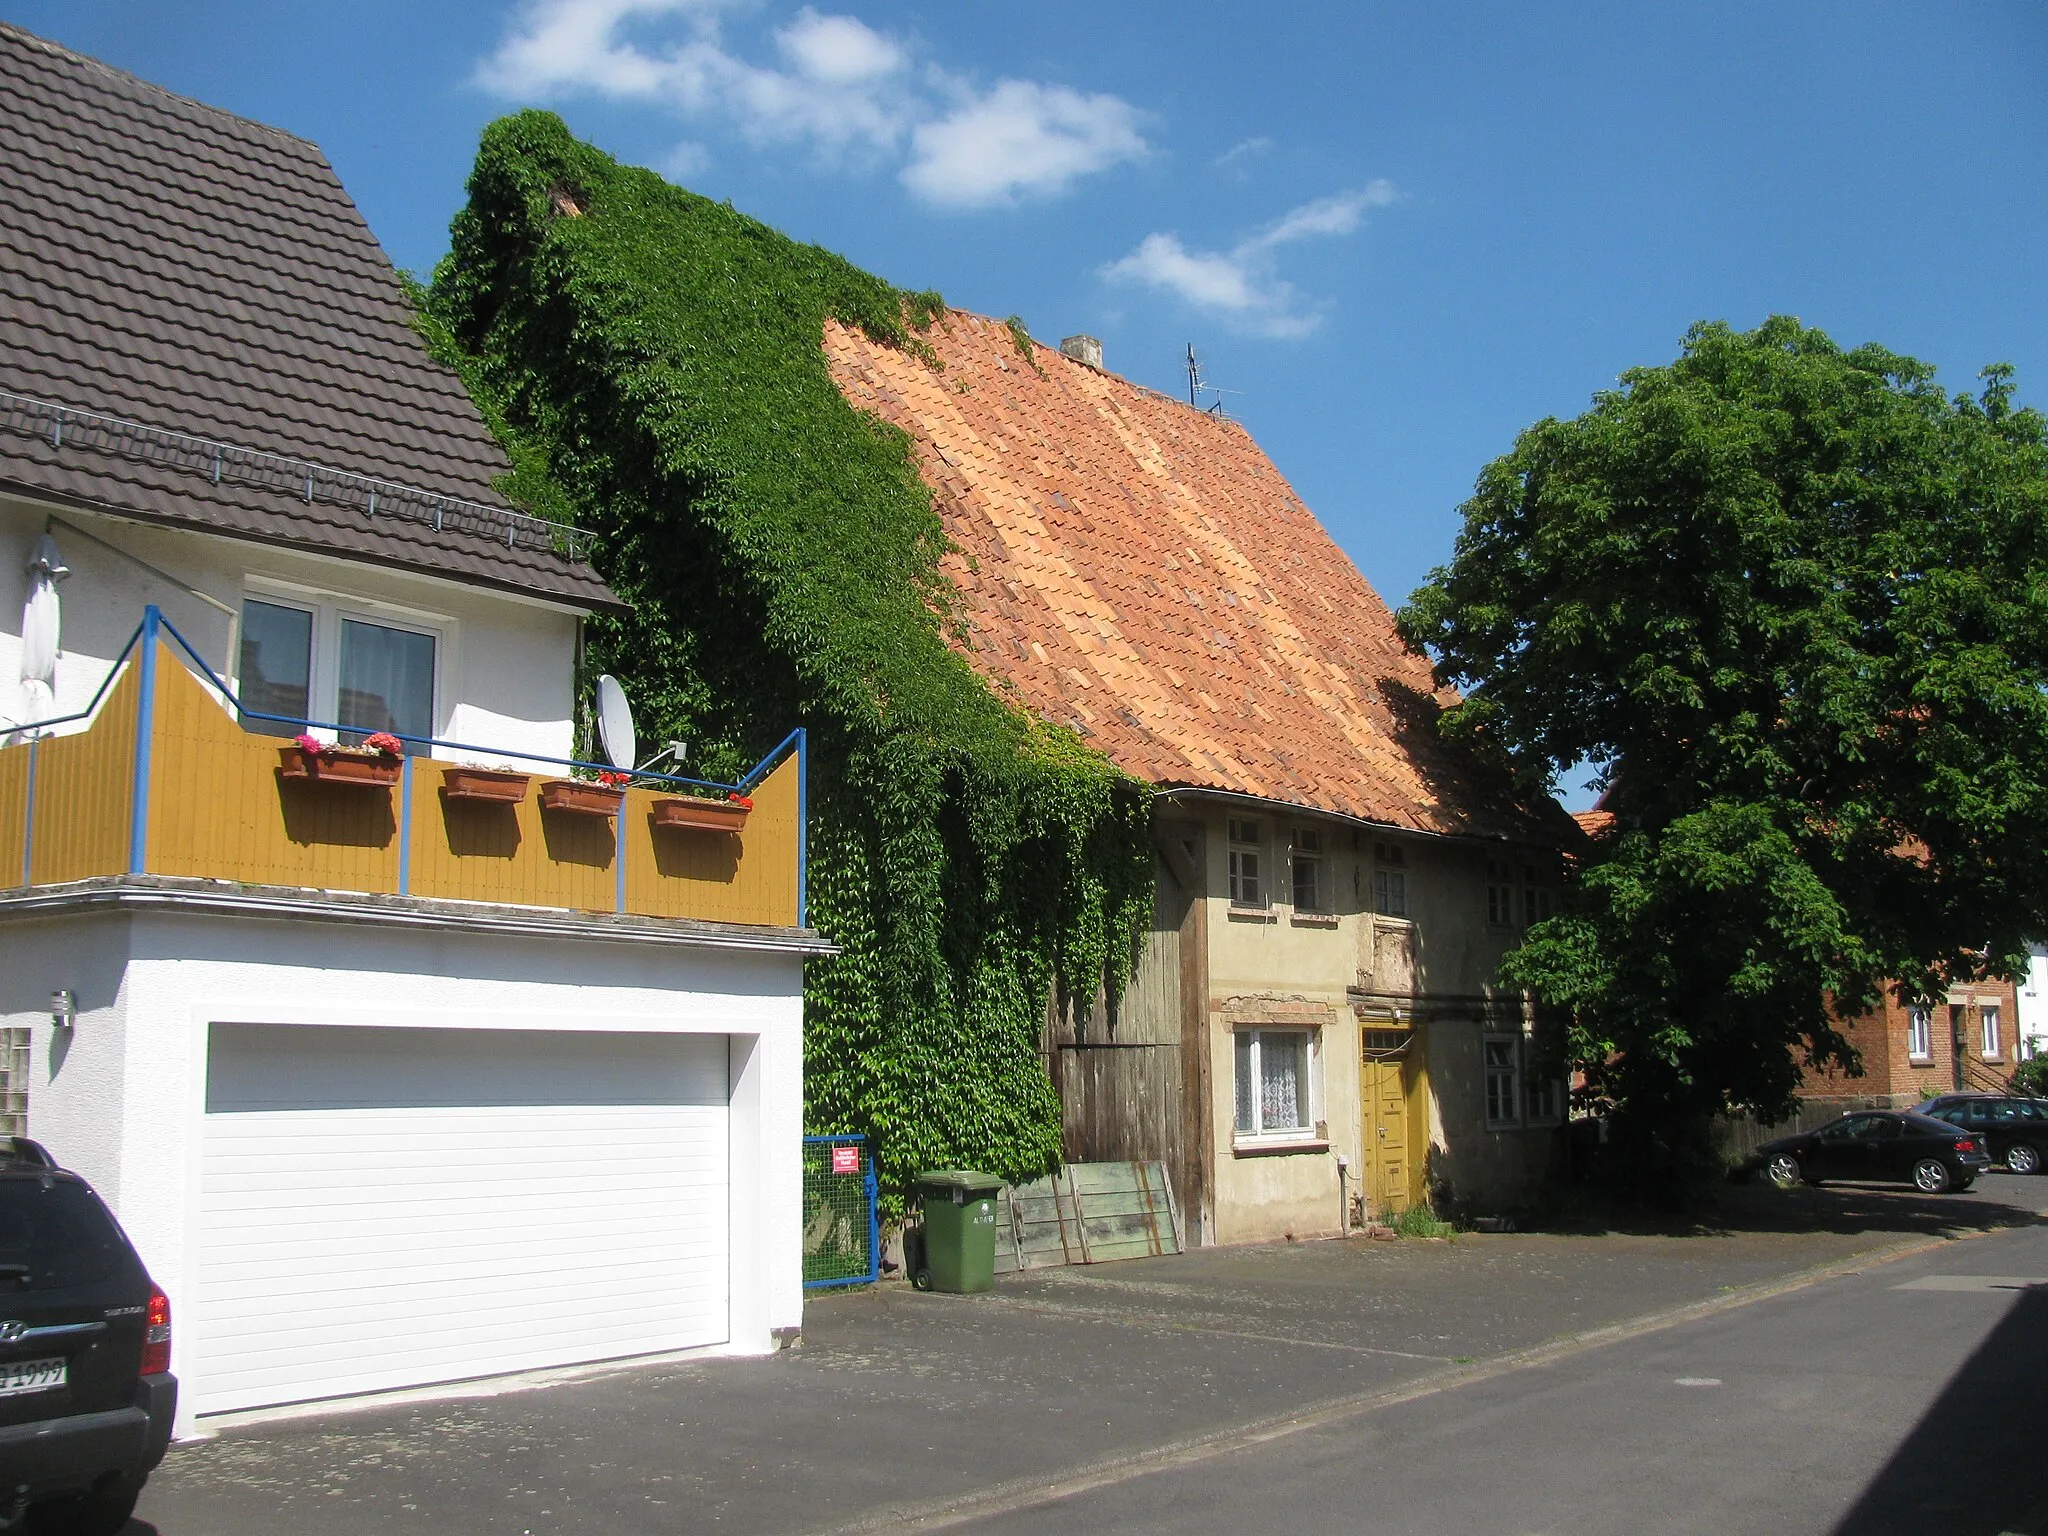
(276, 666)
(387, 680)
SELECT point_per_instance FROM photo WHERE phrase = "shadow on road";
(1971, 1467)
(1998, 1202)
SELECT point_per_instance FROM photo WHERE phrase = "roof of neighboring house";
(1138, 569)
(1595, 823)
(196, 279)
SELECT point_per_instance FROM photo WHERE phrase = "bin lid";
(964, 1179)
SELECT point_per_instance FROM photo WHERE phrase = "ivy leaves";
(657, 359)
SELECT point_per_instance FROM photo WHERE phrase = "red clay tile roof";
(169, 264)
(1595, 823)
(1139, 569)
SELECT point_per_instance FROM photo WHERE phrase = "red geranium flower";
(385, 743)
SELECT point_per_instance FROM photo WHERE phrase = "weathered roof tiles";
(1147, 576)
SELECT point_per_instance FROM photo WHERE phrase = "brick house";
(1968, 1039)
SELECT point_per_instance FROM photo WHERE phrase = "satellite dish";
(615, 724)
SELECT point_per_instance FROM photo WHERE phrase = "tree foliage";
(655, 364)
(1792, 602)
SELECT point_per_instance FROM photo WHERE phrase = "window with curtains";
(1275, 1084)
(310, 661)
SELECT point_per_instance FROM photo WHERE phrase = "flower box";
(580, 797)
(702, 815)
(493, 786)
(371, 770)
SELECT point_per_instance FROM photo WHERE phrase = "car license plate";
(20, 1376)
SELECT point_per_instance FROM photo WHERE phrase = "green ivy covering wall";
(654, 363)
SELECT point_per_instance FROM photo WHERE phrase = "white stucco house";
(391, 1084)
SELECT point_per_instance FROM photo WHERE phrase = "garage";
(385, 1207)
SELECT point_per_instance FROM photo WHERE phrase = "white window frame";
(1389, 880)
(1312, 1065)
(328, 611)
(1534, 1101)
(1305, 850)
(1988, 1032)
(1543, 1096)
(1920, 1034)
(1502, 1081)
(1253, 892)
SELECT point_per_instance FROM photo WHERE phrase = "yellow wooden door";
(1386, 1130)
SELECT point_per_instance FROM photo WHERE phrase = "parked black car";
(2015, 1129)
(86, 1391)
(1887, 1145)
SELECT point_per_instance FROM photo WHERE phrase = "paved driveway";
(898, 1402)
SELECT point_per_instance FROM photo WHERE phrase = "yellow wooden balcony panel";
(219, 809)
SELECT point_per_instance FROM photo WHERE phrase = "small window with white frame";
(1275, 1086)
(1247, 864)
(305, 660)
(1500, 894)
(1389, 880)
(1305, 861)
(1920, 1034)
(1535, 896)
(1545, 1096)
(1503, 1059)
(1987, 1021)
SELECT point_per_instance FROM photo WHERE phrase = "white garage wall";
(125, 1104)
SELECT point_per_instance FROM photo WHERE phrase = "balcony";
(164, 781)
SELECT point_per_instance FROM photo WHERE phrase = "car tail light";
(1966, 1144)
(156, 1340)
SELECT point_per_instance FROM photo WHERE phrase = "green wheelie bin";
(959, 1230)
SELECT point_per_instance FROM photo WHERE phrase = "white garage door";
(392, 1207)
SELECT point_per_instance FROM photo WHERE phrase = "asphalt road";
(1512, 1383)
(1909, 1397)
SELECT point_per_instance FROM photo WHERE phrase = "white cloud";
(837, 84)
(1019, 137)
(1242, 283)
(1236, 158)
(686, 160)
(560, 46)
(838, 49)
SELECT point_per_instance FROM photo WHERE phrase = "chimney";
(1083, 349)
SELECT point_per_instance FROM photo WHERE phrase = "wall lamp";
(63, 1009)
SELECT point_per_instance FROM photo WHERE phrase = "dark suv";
(2015, 1128)
(86, 1391)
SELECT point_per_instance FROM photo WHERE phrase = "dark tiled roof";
(1139, 570)
(169, 264)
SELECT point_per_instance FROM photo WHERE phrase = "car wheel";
(1931, 1176)
(1783, 1171)
(2022, 1158)
(101, 1512)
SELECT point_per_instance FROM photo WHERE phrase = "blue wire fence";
(842, 1228)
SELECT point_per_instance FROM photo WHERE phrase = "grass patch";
(1421, 1221)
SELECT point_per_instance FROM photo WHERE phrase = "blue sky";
(1399, 232)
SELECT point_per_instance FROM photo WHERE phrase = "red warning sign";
(846, 1159)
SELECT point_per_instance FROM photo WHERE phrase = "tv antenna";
(1197, 385)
